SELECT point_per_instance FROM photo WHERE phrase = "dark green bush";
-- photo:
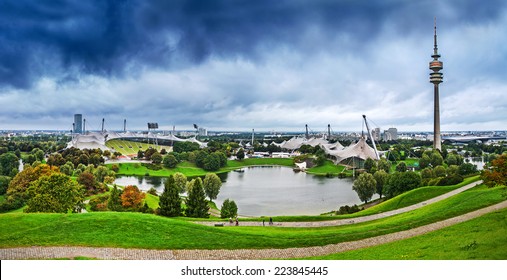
(450, 180)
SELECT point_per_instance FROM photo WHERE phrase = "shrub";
(450, 180)
(115, 168)
(99, 203)
(152, 166)
(348, 209)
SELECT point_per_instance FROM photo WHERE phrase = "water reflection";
(271, 191)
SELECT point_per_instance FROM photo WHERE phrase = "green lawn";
(152, 201)
(329, 168)
(190, 170)
(135, 230)
(483, 238)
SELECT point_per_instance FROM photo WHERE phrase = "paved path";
(240, 254)
(339, 222)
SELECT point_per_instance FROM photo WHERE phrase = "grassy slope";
(412, 197)
(481, 238)
(328, 168)
(190, 170)
(150, 231)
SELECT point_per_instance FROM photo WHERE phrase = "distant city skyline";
(238, 65)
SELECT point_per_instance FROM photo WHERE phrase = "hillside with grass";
(136, 230)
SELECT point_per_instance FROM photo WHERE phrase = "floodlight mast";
(372, 140)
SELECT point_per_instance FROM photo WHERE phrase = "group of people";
(270, 221)
(237, 222)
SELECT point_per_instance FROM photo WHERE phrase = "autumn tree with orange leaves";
(132, 198)
(497, 173)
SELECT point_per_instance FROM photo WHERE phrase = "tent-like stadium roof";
(94, 140)
(359, 150)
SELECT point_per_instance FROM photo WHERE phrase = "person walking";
(270, 221)
(237, 222)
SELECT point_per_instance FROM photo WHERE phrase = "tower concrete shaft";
(436, 77)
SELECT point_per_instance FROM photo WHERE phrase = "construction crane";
(372, 140)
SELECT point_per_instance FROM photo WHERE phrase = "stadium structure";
(98, 140)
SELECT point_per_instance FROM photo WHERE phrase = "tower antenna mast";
(436, 77)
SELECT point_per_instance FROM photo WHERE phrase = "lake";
(272, 191)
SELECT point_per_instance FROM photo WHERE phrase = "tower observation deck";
(436, 77)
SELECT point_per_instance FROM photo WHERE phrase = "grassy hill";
(135, 230)
(483, 238)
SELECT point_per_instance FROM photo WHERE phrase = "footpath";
(239, 254)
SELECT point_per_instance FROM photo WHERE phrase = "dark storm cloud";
(113, 38)
(51, 38)
(246, 62)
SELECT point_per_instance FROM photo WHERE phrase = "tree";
(140, 154)
(87, 180)
(222, 158)
(180, 147)
(451, 159)
(497, 173)
(38, 153)
(240, 154)
(180, 180)
(149, 153)
(114, 202)
(20, 183)
(212, 184)
(439, 171)
(452, 170)
(229, 209)
(132, 198)
(156, 158)
(424, 161)
(383, 164)
(170, 161)
(467, 169)
(4, 184)
(365, 186)
(400, 182)
(29, 159)
(170, 201)
(381, 178)
(8, 162)
(67, 168)
(197, 206)
(401, 167)
(436, 158)
(427, 173)
(212, 162)
(369, 164)
(101, 173)
(56, 193)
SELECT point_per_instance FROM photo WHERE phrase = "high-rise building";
(78, 123)
(202, 131)
(436, 77)
(390, 134)
(376, 133)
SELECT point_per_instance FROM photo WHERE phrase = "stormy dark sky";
(238, 65)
